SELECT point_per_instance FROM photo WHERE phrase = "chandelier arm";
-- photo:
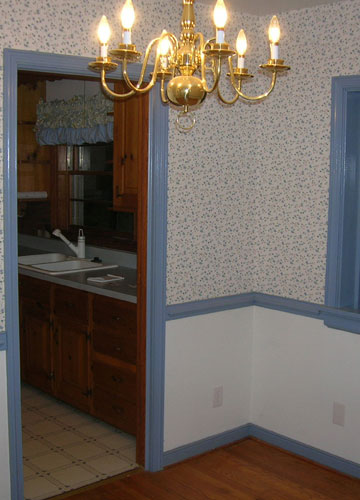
(209, 42)
(254, 98)
(136, 88)
(164, 99)
(109, 92)
(216, 69)
(222, 99)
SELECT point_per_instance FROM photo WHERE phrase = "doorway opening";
(82, 341)
(155, 275)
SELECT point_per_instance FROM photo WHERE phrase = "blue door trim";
(15, 60)
(11, 278)
(156, 289)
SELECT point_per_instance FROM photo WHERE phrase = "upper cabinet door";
(130, 147)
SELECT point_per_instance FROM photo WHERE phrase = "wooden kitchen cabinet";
(114, 362)
(71, 363)
(130, 147)
(37, 364)
(34, 162)
(71, 351)
(80, 347)
(35, 334)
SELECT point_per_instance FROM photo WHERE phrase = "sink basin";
(30, 260)
(71, 266)
(58, 263)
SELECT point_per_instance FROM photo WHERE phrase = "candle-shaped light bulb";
(241, 43)
(220, 18)
(164, 50)
(220, 14)
(274, 30)
(103, 33)
(274, 37)
(127, 20)
(164, 46)
(241, 46)
(128, 15)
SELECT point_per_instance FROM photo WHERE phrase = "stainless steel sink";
(57, 263)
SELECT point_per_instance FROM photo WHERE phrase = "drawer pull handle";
(117, 379)
(118, 348)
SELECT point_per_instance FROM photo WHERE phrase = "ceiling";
(264, 7)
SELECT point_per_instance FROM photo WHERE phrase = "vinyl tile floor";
(65, 449)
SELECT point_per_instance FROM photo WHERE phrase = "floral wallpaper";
(248, 187)
(261, 222)
(293, 160)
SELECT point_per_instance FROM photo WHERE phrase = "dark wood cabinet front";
(114, 361)
(35, 333)
(80, 347)
(37, 359)
(71, 363)
(130, 125)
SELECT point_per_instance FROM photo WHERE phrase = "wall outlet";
(217, 396)
(339, 414)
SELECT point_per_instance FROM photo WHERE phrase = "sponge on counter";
(105, 279)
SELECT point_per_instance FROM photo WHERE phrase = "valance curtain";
(80, 120)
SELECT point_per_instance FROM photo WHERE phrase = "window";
(85, 196)
(343, 258)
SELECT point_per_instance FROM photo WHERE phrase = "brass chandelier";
(186, 63)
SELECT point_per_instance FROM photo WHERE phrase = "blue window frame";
(343, 256)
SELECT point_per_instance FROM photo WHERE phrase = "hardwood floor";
(248, 470)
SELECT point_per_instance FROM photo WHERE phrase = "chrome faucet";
(78, 250)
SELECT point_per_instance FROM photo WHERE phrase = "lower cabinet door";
(36, 362)
(71, 364)
(116, 411)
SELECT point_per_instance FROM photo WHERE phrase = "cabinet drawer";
(71, 304)
(114, 410)
(116, 380)
(116, 315)
(38, 291)
(120, 346)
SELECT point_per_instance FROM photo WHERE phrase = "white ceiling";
(264, 7)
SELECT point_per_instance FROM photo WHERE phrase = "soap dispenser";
(81, 244)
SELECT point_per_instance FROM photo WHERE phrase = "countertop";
(121, 290)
